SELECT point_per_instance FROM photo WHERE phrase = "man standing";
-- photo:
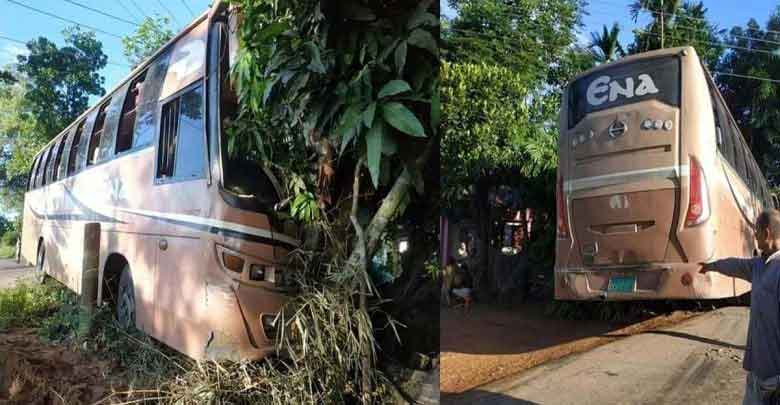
(762, 353)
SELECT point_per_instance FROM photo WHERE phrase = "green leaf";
(394, 87)
(315, 65)
(346, 128)
(374, 150)
(419, 19)
(389, 145)
(397, 115)
(368, 114)
(435, 110)
(400, 57)
(423, 39)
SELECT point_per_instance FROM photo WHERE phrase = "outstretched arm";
(732, 267)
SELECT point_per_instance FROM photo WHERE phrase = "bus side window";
(42, 175)
(146, 109)
(97, 132)
(181, 152)
(31, 177)
(74, 148)
(124, 136)
(58, 158)
(726, 140)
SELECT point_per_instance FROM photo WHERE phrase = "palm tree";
(662, 13)
(606, 46)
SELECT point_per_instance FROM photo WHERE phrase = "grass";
(324, 341)
(7, 251)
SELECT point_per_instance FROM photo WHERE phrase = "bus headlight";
(262, 272)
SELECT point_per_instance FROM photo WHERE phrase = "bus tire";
(40, 265)
(125, 305)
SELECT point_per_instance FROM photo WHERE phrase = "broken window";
(97, 132)
(124, 137)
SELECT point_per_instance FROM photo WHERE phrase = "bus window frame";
(132, 83)
(176, 179)
(33, 172)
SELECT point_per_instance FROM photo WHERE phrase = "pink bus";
(654, 177)
(190, 248)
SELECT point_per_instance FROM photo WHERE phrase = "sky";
(724, 13)
(22, 24)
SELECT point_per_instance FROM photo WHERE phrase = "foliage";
(18, 133)
(351, 85)
(488, 124)
(10, 237)
(526, 36)
(356, 82)
(751, 101)
(61, 80)
(606, 46)
(7, 251)
(684, 23)
(150, 36)
(26, 305)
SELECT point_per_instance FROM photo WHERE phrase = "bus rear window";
(626, 83)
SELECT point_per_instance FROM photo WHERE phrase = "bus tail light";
(698, 203)
(563, 226)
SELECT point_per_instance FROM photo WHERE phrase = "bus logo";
(604, 89)
(618, 201)
(616, 129)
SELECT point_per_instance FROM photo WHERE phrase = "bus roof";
(131, 75)
(634, 57)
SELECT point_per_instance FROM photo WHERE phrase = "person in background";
(762, 353)
(448, 273)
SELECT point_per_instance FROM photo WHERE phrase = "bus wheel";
(40, 265)
(125, 306)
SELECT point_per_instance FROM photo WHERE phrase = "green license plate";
(622, 284)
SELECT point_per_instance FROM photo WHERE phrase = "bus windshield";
(625, 83)
(246, 182)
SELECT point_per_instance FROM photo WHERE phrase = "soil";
(33, 372)
(487, 344)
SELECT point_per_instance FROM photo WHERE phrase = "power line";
(100, 12)
(188, 8)
(704, 30)
(13, 40)
(127, 10)
(140, 10)
(18, 41)
(168, 11)
(658, 12)
(63, 18)
(764, 79)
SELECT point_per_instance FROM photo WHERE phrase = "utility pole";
(663, 11)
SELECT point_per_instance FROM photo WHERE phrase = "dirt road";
(10, 272)
(696, 362)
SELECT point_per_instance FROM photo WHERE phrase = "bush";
(28, 305)
(9, 238)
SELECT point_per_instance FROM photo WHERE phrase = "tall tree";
(526, 36)
(152, 34)
(520, 55)
(751, 95)
(679, 24)
(61, 80)
(606, 46)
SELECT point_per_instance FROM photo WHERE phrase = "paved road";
(10, 272)
(696, 362)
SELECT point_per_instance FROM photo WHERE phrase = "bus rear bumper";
(653, 282)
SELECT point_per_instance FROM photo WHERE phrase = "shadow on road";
(526, 328)
(483, 397)
(688, 336)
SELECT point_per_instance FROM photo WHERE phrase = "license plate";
(622, 284)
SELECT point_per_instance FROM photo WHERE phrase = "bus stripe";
(670, 172)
